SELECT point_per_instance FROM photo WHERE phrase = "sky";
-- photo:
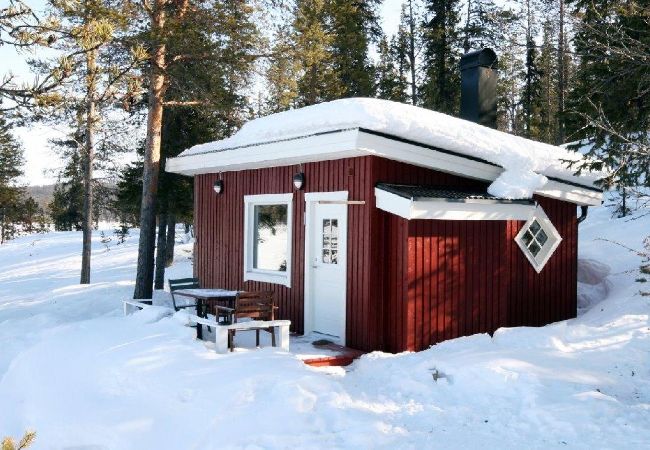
(41, 161)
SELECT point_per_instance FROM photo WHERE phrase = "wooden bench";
(224, 332)
(258, 306)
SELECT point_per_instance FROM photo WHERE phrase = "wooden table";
(206, 298)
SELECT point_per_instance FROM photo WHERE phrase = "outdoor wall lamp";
(299, 180)
(218, 186)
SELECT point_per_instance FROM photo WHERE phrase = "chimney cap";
(484, 57)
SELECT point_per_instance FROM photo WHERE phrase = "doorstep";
(338, 355)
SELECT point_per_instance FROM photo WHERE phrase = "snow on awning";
(425, 202)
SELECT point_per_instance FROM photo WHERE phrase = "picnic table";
(207, 299)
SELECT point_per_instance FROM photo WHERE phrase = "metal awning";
(443, 203)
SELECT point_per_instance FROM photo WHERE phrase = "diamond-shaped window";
(538, 239)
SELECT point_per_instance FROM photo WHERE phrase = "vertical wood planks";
(409, 283)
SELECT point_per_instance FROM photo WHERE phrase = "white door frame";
(311, 199)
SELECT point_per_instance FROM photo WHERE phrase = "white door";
(327, 238)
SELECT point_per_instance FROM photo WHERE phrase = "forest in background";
(191, 71)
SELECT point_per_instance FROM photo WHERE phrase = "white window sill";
(279, 278)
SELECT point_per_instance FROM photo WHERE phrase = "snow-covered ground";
(85, 377)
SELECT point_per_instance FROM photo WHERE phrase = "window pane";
(271, 237)
(534, 248)
(330, 241)
(527, 238)
(541, 237)
(535, 227)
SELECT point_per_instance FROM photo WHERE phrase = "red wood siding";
(409, 284)
(219, 225)
(467, 277)
(390, 247)
(537, 299)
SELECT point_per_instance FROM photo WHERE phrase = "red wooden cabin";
(384, 236)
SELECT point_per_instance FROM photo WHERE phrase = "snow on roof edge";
(526, 163)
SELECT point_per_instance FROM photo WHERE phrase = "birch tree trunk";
(157, 88)
(89, 150)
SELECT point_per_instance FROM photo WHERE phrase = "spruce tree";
(318, 79)
(355, 25)
(11, 161)
(510, 85)
(408, 44)
(66, 207)
(391, 81)
(482, 26)
(547, 64)
(531, 101)
(610, 102)
(282, 73)
(441, 86)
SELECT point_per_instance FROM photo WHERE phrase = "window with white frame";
(538, 239)
(267, 238)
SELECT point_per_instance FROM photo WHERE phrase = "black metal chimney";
(478, 93)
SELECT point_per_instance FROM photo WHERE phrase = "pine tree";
(217, 43)
(26, 441)
(22, 27)
(98, 72)
(441, 86)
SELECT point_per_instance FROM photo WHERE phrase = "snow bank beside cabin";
(85, 377)
(526, 162)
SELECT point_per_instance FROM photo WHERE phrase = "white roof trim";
(319, 147)
(570, 193)
(433, 209)
(353, 143)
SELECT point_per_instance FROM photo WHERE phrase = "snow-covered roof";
(526, 163)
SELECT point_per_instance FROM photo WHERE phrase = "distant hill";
(42, 194)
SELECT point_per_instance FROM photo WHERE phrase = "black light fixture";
(299, 180)
(218, 186)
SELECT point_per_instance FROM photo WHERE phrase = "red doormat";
(344, 355)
